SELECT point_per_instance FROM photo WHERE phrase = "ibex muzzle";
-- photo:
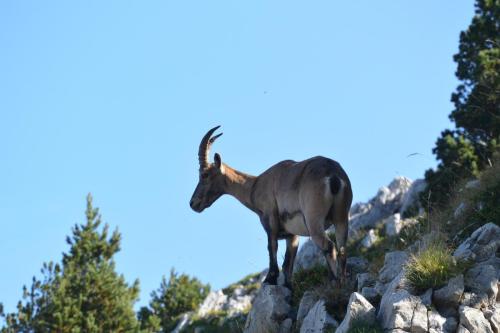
(291, 199)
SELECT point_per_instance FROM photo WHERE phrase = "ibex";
(291, 199)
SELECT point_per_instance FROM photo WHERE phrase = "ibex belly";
(294, 223)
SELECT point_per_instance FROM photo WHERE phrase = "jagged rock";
(286, 326)
(494, 320)
(411, 197)
(427, 297)
(448, 297)
(462, 329)
(483, 279)
(365, 280)
(397, 283)
(269, 309)
(371, 294)
(357, 309)
(238, 304)
(396, 310)
(215, 301)
(369, 239)
(357, 264)
(473, 300)
(318, 320)
(393, 224)
(439, 324)
(473, 320)
(308, 256)
(393, 264)
(183, 322)
(481, 245)
(308, 300)
(419, 322)
(387, 201)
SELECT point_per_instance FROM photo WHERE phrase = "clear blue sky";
(113, 97)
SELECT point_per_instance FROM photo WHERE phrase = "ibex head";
(211, 183)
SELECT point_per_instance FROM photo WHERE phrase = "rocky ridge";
(382, 300)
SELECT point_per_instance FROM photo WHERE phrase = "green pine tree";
(84, 293)
(468, 149)
(179, 295)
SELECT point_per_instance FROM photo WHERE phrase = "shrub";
(431, 267)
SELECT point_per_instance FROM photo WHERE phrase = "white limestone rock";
(215, 301)
(369, 239)
(448, 297)
(473, 320)
(483, 279)
(308, 300)
(393, 265)
(269, 309)
(318, 320)
(357, 309)
(481, 245)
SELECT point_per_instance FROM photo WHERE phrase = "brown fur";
(285, 193)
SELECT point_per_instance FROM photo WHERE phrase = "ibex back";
(291, 199)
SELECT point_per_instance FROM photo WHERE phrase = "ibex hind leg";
(341, 240)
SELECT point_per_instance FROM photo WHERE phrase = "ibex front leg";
(292, 244)
(272, 247)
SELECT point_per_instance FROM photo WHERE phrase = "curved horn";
(204, 149)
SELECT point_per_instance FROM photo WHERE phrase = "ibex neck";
(240, 185)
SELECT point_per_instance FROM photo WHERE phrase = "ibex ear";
(218, 161)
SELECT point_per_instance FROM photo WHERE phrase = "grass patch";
(431, 267)
(480, 206)
(361, 326)
(308, 279)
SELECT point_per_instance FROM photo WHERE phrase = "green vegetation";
(83, 293)
(179, 295)
(249, 283)
(469, 148)
(219, 322)
(431, 268)
(308, 279)
(361, 326)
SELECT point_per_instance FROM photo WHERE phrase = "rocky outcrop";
(448, 297)
(215, 301)
(473, 320)
(357, 309)
(270, 309)
(306, 303)
(318, 320)
(481, 245)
